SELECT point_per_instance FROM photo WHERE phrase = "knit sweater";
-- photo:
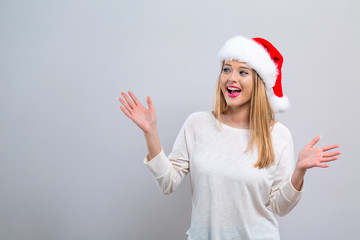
(231, 199)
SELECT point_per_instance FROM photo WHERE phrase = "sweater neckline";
(243, 130)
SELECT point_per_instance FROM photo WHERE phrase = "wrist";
(300, 171)
(297, 178)
(299, 168)
(150, 130)
(298, 174)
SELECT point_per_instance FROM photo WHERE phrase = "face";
(240, 76)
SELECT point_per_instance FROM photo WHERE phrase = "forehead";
(236, 63)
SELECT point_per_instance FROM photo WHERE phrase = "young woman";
(240, 160)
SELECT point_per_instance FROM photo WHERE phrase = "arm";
(152, 143)
(284, 196)
(168, 172)
(310, 157)
(145, 119)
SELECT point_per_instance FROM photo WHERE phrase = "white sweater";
(230, 197)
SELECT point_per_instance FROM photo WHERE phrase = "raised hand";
(311, 156)
(142, 117)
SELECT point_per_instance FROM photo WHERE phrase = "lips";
(233, 91)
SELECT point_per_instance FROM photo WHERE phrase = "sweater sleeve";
(170, 171)
(283, 196)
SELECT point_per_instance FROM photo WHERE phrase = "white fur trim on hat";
(253, 54)
(280, 104)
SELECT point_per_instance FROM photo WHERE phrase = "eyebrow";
(239, 67)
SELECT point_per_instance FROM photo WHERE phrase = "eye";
(243, 73)
(226, 69)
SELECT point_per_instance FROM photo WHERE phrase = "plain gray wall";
(71, 163)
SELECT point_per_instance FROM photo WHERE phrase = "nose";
(233, 76)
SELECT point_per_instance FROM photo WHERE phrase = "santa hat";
(265, 59)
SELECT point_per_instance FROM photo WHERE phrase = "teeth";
(232, 88)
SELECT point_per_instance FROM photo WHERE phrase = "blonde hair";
(261, 115)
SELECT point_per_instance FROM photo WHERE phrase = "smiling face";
(236, 82)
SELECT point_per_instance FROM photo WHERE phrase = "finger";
(137, 102)
(328, 159)
(125, 112)
(329, 147)
(149, 102)
(331, 154)
(128, 100)
(314, 141)
(323, 165)
(125, 105)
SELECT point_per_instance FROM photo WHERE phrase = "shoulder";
(196, 119)
(281, 132)
(198, 116)
(282, 138)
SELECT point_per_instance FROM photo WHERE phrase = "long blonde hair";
(261, 115)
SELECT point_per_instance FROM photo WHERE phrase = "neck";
(239, 116)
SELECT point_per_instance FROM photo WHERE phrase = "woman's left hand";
(311, 156)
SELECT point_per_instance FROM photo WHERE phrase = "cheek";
(222, 84)
(222, 80)
(248, 84)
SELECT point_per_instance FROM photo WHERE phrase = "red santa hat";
(265, 59)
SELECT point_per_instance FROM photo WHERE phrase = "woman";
(240, 160)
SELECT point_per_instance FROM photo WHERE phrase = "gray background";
(71, 163)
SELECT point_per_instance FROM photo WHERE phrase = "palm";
(142, 117)
(310, 156)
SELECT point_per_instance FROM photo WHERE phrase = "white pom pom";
(280, 104)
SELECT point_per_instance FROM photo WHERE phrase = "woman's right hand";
(144, 118)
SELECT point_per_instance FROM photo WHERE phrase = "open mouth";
(233, 92)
